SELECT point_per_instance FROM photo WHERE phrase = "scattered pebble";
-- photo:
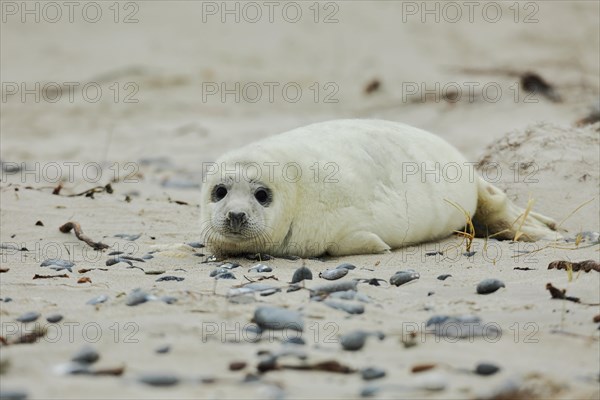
(57, 264)
(346, 266)
(372, 373)
(486, 369)
(350, 295)
(170, 278)
(333, 274)
(39, 223)
(196, 245)
(147, 256)
(128, 237)
(488, 286)
(168, 299)
(163, 349)
(355, 340)
(136, 297)
(13, 395)
(113, 261)
(349, 307)
(268, 317)
(294, 340)
(225, 275)
(54, 318)
(402, 277)
(159, 379)
(302, 274)
(86, 355)
(261, 268)
(444, 277)
(432, 381)
(237, 365)
(370, 391)
(115, 253)
(28, 316)
(335, 287)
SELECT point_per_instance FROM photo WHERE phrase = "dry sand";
(155, 148)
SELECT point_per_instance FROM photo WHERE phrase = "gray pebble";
(444, 277)
(170, 278)
(354, 341)
(349, 307)
(115, 253)
(488, 286)
(159, 379)
(196, 245)
(86, 355)
(163, 349)
(97, 300)
(136, 297)
(147, 256)
(372, 373)
(261, 268)
(13, 395)
(225, 275)
(113, 261)
(486, 369)
(335, 287)
(302, 274)
(293, 288)
(402, 277)
(6, 299)
(64, 264)
(54, 318)
(218, 271)
(346, 266)
(370, 391)
(125, 236)
(333, 274)
(229, 265)
(294, 340)
(276, 318)
(168, 299)
(28, 316)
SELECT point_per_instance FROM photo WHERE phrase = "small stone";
(163, 349)
(159, 379)
(261, 268)
(125, 236)
(372, 373)
(402, 277)
(13, 395)
(168, 299)
(276, 318)
(28, 316)
(302, 274)
(97, 300)
(170, 278)
(87, 355)
(333, 274)
(196, 245)
(346, 266)
(136, 297)
(488, 286)
(237, 365)
(39, 223)
(486, 369)
(54, 318)
(225, 275)
(444, 277)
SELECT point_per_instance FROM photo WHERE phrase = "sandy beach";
(109, 111)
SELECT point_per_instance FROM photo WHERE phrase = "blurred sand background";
(156, 145)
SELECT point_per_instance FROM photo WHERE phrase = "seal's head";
(241, 212)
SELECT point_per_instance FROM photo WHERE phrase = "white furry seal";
(350, 187)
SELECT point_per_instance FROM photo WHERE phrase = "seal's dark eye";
(219, 192)
(263, 196)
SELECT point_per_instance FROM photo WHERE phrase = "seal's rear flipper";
(497, 217)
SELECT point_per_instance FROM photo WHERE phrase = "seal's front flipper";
(496, 216)
(358, 243)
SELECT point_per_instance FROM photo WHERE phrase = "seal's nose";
(236, 220)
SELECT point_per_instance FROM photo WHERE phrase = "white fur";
(374, 201)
